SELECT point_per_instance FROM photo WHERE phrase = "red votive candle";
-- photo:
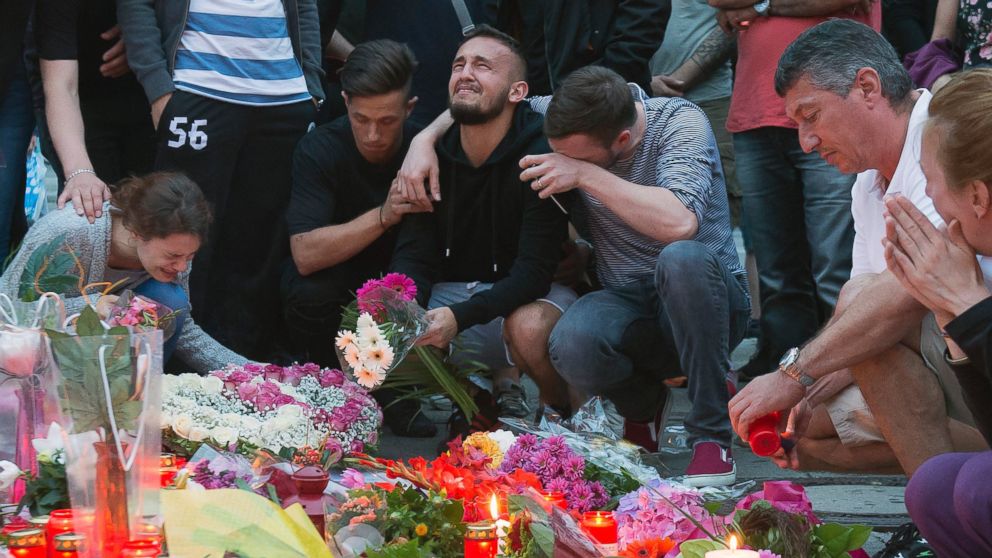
(148, 532)
(59, 521)
(554, 498)
(480, 540)
(27, 543)
(16, 523)
(68, 545)
(601, 526)
(140, 548)
(763, 435)
(167, 469)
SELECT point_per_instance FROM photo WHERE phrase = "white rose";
(211, 384)
(280, 423)
(198, 434)
(188, 381)
(181, 425)
(224, 435)
(166, 419)
(8, 474)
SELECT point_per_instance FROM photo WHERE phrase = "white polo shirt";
(869, 191)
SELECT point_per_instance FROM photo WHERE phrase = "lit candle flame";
(494, 507)
(733, 542)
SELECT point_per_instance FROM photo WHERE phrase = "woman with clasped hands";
(950, 496)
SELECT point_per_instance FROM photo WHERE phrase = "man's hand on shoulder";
(553, 173)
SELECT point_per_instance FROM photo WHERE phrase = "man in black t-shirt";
(344, 207)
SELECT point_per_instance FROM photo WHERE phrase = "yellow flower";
(485, 444)
(420, 530)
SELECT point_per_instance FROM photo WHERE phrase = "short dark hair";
(592, 100)
(376, 68)
(160, 204)
(490, 32)
(830, 55)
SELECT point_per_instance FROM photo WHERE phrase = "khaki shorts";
(849, 411)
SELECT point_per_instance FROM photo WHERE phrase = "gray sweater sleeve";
(198, 349)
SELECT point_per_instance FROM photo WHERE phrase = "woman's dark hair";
(159, 204)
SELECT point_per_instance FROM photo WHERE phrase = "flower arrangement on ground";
(559, 468)
(269, 407)
(778, 521)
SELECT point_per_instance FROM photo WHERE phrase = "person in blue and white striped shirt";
(233, 84)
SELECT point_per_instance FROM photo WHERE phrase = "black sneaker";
(906, 542)
(404, 416)
(512, 402)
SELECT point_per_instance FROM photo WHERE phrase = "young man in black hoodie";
(491, 245)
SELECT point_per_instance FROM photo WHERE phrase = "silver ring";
(540, 185)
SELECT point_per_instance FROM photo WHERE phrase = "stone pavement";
(874, 500)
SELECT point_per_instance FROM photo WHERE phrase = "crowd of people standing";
(562, 180)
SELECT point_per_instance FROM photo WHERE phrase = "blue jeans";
(16, 127)
(620, 343)
(798, 212)
(175, 298)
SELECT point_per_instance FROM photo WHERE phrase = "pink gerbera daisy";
(401, 284)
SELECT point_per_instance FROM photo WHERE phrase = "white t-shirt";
(868, 194)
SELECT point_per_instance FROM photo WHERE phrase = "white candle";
(732, 552)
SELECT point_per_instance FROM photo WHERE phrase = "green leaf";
(837, 540)
(544, 537)
(88, 324)
(698, 548)
(51, 267)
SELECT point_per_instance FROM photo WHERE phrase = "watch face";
(789, 357)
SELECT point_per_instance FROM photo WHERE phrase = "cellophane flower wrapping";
(269, 407)
(108, 387)
(25, 366)
(379, 329)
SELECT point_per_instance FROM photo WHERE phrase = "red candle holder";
(763, 435)
(59, 521)
(554, 498)
(480, 540)
(16, 523)
(68, 545)
(601, 526)
(149, 532)
(27, 543)
(140, 548)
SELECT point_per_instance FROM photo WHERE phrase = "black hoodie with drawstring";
(488, 227)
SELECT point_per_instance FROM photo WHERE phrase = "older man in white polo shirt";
(854, 104)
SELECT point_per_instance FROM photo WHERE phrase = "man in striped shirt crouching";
(674, 298)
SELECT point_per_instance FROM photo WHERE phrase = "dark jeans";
(312, 308)
(174, 297)
(620, 343)
(950, 500)
(798, 212)
(16, 127)
(240, 156)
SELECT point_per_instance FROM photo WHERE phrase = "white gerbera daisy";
(365, 320)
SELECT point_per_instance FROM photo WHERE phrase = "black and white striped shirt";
(678, 152)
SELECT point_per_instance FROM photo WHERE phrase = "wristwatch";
(763, 7)
(788, 367)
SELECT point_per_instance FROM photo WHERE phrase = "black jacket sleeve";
(542, 233)
(637, 32)
(418, 253)
(972, 331)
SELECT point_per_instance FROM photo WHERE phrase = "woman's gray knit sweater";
(92, 246)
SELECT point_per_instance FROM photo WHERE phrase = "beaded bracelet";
(78, 172)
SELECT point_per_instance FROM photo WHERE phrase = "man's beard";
(474, 114)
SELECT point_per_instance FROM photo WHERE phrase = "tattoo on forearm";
(714, 50)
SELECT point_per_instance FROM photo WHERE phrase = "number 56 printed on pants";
(195, 135)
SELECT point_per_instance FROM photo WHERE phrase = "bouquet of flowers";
(380, 328)
(559, 468)
(141, 314)
(269, 407)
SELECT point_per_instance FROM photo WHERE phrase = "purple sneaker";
(711, 465)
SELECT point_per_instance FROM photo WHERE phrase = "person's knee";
(679, 259)
(972, 491)
(528, 328)
(171, 295)
(928, 489)
(575, 350)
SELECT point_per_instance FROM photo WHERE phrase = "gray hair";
(830, 55)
